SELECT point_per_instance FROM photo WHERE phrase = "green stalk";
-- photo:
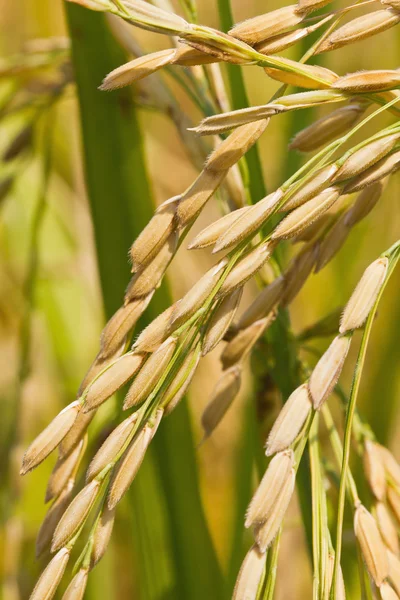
(120, 200)
(393, 254)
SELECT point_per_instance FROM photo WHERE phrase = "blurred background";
(52, 312)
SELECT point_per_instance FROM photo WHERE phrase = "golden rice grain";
(263, 304)
(75, 515)
(137, 69)
(374, 469)
(364, 296)
(63, 471)
(50, 578)
(255, 30)
(209, 235)
(387, 528)
(249, 222)
(371, 545)
(327, 370)
(222, 396)
(240, 346)
(77, 587)
(327, 128)
(220, 320)
(154, 235)
(290, 420)
(249, 577)
(102, 535)
(246, 268)
(150, 373)
(306, 214)
(111, 447)
(50, 437)
(112, 379)
(359, 29)
(270, 489)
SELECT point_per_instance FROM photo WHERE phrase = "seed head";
(76, 433)
(386, 527)
(75, 515)
(111, 447)
(332, 242)
(225, 391)
(52, 518)
(394, 570)
(306, 214)
(209, 235)
(148, 278)
(368, 81)
(263, 304)
(311, 76)
(63, 471)
(393, 497)
(181, 381)
(270, 490)
(327, 128)
(112, 379)
(118, 327)
(146, 16)
(265, 532)
(137, 69)
(76, 588)
(255, 30)
(156, 333)
(364, 296)
(190, 57)
(249, 577)
(249, 222)
(50, 437)
(246, 268)
(364, 203)
(128, 466)
(374, 469)
(298, 273)
(392, 467)
(316, 184)
(306, 99)
(308, 6)
(150, 373)
(154, 235)
(359, 29)
(327, 370)
(240, 346)
(220, 320)
(280, 42)
(198, 194)
(231, 150)
(50, 578)
(197, 295)
(102, 535)
(216, 124)
(366, 156)
(386, 166)
(371, 544)
(290, 420)
(387, 592)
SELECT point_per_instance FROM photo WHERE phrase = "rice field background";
(65, 231)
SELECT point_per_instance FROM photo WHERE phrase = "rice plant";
(313, 446)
